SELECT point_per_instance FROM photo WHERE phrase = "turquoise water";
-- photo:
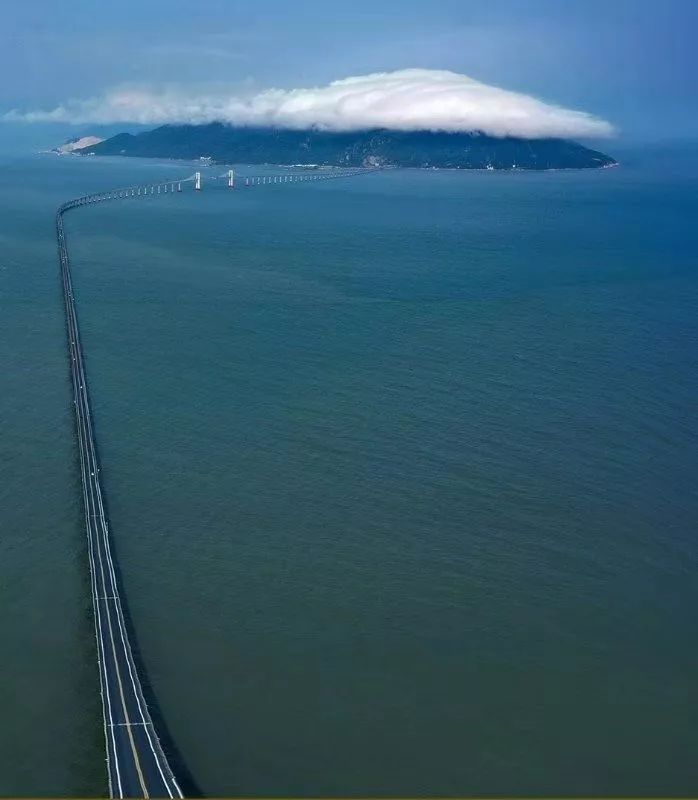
(401, 474)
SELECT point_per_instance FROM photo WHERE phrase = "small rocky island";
(225, 144)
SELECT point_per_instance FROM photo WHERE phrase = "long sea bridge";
(136, 762)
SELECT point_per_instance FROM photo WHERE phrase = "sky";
(629, 65)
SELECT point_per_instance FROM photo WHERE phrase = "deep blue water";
(401, 474)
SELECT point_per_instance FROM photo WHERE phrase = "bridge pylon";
(231, 178)
(197, 181)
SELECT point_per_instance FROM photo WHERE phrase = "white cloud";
(409, 99)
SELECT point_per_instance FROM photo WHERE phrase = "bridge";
(136, 762)
(171, 186)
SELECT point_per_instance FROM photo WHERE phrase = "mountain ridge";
(425, 149)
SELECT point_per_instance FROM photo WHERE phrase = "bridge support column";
(197, 181)
(231, 179)
(179, 187)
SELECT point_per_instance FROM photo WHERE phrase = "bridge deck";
(136, 763)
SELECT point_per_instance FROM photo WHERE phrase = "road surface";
(136, 763)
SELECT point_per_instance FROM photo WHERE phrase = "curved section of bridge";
(136, 763)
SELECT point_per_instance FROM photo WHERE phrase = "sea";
(400, 470)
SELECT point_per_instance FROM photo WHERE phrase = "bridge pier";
(197, 181)
(231, 179)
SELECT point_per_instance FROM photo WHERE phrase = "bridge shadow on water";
(182, 773)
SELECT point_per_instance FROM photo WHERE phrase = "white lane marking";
(128, 724)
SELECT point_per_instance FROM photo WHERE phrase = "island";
(225, 144)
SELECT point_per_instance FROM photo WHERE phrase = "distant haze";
(408, 99)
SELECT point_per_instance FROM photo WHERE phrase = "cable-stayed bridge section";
(136, 762)
(233, 181)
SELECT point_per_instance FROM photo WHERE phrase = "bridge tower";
(179, 187)
(197, 181)
(231, 178)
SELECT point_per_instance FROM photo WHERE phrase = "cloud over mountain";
(409, 99)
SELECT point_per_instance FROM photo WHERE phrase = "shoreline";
(219, 164)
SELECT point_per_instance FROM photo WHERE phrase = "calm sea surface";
(401, 472)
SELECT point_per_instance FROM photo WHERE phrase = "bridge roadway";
(136, 763)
